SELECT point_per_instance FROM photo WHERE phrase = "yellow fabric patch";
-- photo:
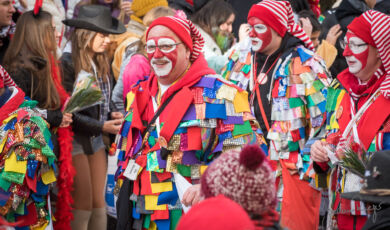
(240, 102)
(151, 203)
(13, 165)
(130, 98)
(48, 177)
(161, 187)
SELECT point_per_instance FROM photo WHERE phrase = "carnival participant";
(31, 59)
(179, 119)
(27, 159)
(287, 82)
(357, 112)
(89, 59)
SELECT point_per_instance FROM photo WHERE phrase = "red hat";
(279, 16)
(217, 213)
(185, 30)
(5, 79)
(373, 27)
(245, 177)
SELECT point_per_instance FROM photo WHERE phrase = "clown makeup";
(162, 54)
(355, 52)
(260, 34)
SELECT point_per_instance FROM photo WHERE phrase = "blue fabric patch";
(210, 93)
(233, 120)
(168, 197)
(304, 54)
(10, 124)
(163, 224)
(181, 130)
(322, 106)
(225, 135)
(162, 164)
(4, 196)
(264, 147)
(217, 85)
(215, 111)
(386, 141)
(302, 132)
(125, 128)
(230, 65)
(136, 215)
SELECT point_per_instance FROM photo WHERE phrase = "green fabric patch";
(310, 102)
(4, 184)
(151, 140)
(20, 209)
(293, 146)
(246, 69)
(13, 177)
(245, 128)
(318, 85)
(184, 170)
(129, 117)
(306, 157)
(295, 102)
(175, 216)
(30, 104)
(372, 146)
(331, 100)
(147, 221)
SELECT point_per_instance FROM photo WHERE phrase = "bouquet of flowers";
(86, 93)
(355, 159)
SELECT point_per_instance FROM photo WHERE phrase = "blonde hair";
(34, 38)
(82, 54)
(157, 12)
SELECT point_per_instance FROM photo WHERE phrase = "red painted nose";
(347, 51)
(158, 53)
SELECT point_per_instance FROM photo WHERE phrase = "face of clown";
(264, 38)
(168, 56)
(362, 58)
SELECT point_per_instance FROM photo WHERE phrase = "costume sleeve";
(328, 52)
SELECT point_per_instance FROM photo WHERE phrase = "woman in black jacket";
(88, 58)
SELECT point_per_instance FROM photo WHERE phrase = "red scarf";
(198, 69)
(354, 87)
(63, 213)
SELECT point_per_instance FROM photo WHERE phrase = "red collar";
(198, 69)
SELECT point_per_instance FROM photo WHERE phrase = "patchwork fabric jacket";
(206, 116)
(27, 160)
(373, 131)
(298, 88)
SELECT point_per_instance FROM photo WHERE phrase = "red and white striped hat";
(185, 30)
(279, 16)
(5, 79)
(373, 27)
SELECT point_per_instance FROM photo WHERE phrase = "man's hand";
(191, 195)
(306, 25)
(334, 32)
(318, 152)
(116, 115)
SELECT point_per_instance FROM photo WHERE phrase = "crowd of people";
(220, 114)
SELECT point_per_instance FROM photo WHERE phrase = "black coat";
(380, 220)
(86, 123)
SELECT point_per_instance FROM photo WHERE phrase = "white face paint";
(162, 66)
(256, 43)
(354, 65)
(166, 45)
(260, 28)
(357, 45)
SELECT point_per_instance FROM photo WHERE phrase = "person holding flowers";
(358, 115)
(32, 62)
(88, 60)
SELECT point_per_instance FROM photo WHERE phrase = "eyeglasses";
(165, 48)
(351, 45)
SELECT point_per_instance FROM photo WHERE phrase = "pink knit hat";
(245, 177)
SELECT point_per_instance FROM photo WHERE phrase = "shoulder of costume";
(237, 69)
(26, 146)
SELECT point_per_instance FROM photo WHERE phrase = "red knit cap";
(185, 30)
(279, 16)
(373, 27)
(245, 177)
(217, 213)
(362, 28)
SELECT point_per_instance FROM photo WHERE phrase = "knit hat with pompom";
(245, 177)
